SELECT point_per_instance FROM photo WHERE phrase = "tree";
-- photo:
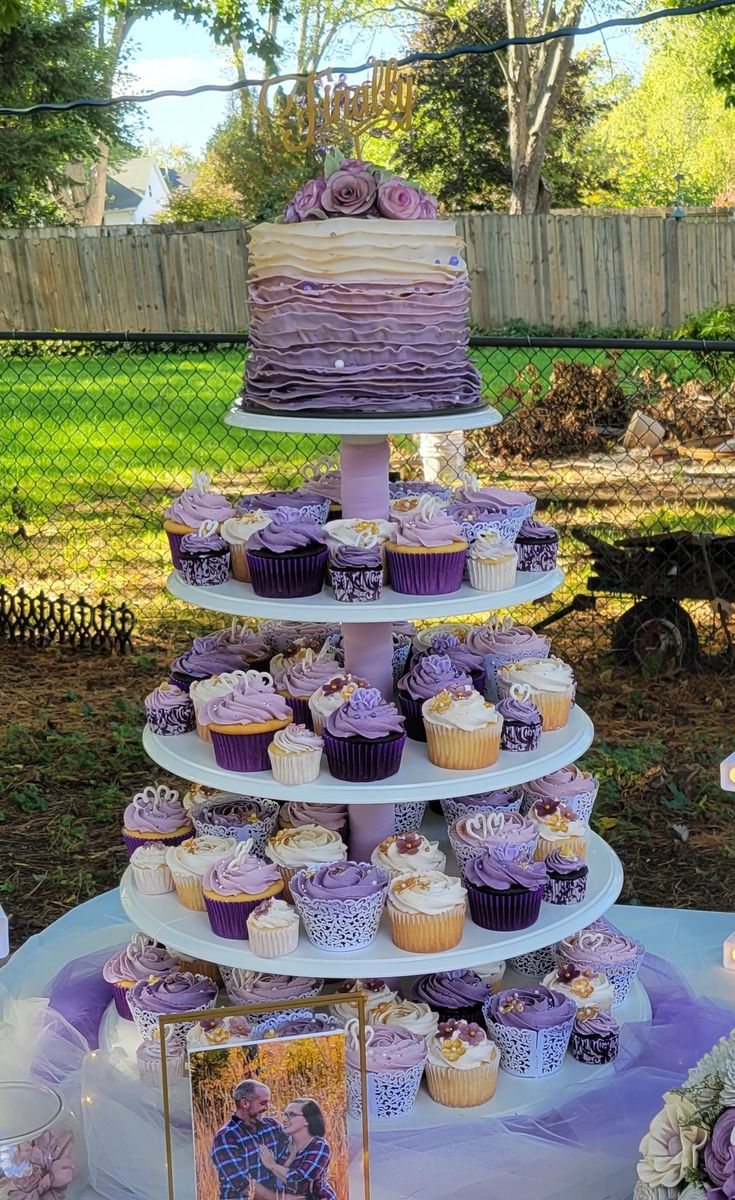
(458, 143)
(44, 57)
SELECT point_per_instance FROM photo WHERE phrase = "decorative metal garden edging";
(39, 620)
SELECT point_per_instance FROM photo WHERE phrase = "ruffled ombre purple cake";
(364, 311)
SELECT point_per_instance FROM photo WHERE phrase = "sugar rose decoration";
(352, 187)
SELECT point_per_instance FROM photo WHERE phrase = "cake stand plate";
(381, 425)
(190, 757)
(165, 919)
(239, 599)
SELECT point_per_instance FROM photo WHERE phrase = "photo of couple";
(270, 1120)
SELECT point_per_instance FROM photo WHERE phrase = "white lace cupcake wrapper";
(452, 809)
(147, 1023)
(530, 1053)
(389, 1093)
(341, 925)
(259, 831)
(408, 815)
(536, 963)
(621, 976)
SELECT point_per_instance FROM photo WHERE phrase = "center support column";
(364, 463)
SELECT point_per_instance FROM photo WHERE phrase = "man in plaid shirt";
(235, 1153)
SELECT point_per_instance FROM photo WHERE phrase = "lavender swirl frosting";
(357, 557)
(502, 868)
(177, 993)
(450, 989)
(296, 498)
(461, 654)
(230, 813)
(307, 675)
(429, 529)
(239, 640)
(339, 881)
(194, 506)
(531, 1008)
(288, 530)
(536, 531)
(250, 986)
(254, 706)
(602, 1024)
(140, 959)
(560, 863)
(329, 816)
(561, 784)
(167, 695)
(524, 712)
(430, 675)
(202, 664)
(203, 543)
(240, 873)
(366, 714)
(387, 1048)
(307, 1023)
(156, 810)
(508, 639)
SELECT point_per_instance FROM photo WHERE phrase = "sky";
(167, 53)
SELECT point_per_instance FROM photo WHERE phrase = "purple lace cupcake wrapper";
(174, 545)
(537, 963)
(401, 655)
(537, 556)
(229, 919)
(389, 1093)
(527, 1052)
(426, 574)
(463, 853)
(454, 808)
(358, 585)
(302, 575)
(362, 762)
(341, 925)
(596, 1049)
(171, 721)
(174, 839)
(206, 570)
(565, 890)
(147, 1024)
(408, 815)
(259, 831)
(504, 911)
(242, 751)
(411, 710)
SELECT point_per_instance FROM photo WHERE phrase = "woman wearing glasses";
(304, 1172)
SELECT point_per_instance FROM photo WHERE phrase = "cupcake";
(241, 817)
(501, 800)
(559, 829)
(169, 711)
(295, 755)
(148, 1057)
(492, 974)
(501, 642)
(329, 816)
(574, 788)
(324, 478)
(408, 815)
(460, 655)
(376, 992)
(194, 505)
(408, 853)
(426, 911)
(273, 929)
(242, 723)
(180, 992)
(462, 1065)
(281, 634)
(408, 1014)
(204, 660)
(419, 487)
(491, 564)
(234, 886)
(427, 554)
(551, 687)
(189, 862)
(595, 1036)
(566, 881)
(299, 681)
(205, 557)
(601, 947)
(237, 532)
(340, 903)
(155, 816)
(514, 506)
(239, 638)
(150, 871)
(459, 994)
(428, 676)
(423, 641)
(142, 958)
(472, 835)
(291, 1025)
(260, 987)
(504, 889)
(537, 545)
(521, 721)
(214, 688)
(364, 738)
(462, 730)
(298, 650)
(300, 501)
(585, 988)
(331, 696)
(394, 1062)
(288, 557)
(531, 1026)
(303, 846)
(352, 531)
(356, 572)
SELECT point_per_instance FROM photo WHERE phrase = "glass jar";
(41, 1150)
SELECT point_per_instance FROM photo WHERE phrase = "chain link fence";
(98, 432)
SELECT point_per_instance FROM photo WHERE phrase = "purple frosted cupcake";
(537, 546)
(298, 683)
(169, 711)
(262, 987)
(427, 554)
(364, 738)
(572, 787)
(457, 994)
(234, 887)
(500, 643)
(427, 677)
(532, 1027)
(204, 660)
(602, 947)
(288, 557)
(595, 1036)
(356, 573)
(205, 556)
(306, 503)
(501, 800)
(504, 889)
(240, 639)
(476, 832)
(418, 487)
(340, 903)
(567, 878)
(156, 817)
(177, 993)
(242, 723)
(240, 817)
(521, 730)
(141, 959)
(462, 656)
(186, 513)
(514, 507)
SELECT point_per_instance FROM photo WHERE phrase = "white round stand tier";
(190, 757)
(239, 599)
(361, 426)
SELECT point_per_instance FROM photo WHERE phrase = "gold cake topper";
(322, 113)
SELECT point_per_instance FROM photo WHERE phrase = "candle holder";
(728, 953)
(41, 1144)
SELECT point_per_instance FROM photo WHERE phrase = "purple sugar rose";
(290, 216)
(308, 197)
(427, 207)
(719, 1153)
(354, 166)
(398, 200)
(349, 193)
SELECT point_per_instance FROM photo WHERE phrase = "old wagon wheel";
(655, 628)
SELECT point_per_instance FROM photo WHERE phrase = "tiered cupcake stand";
(367, 636)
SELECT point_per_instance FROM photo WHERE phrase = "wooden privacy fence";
(557, 270)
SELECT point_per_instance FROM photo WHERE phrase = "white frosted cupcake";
(413, 1015)
(492, 974)
(350, 531)
(551, 687)
(188, 861)
(273, 929)
(195, 795)
(560, 829)
(332, 695)
(376, 992)
(237, 532)
(462, 1067)
(585, 987)
(216, 686)
(491, 563)
(150, 872)
(295, 755)
(304, 846)
(408, 852)
(148, 1056)
(462, 729)
(427, 911)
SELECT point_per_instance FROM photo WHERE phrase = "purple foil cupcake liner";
(408, 815)
(120, 996)
(594, 1048)
(242, 751)
(530, 1052)
(276, 577)
(518, 738)
(168, 722)
(230, 919)
(426, 574)
(363, 761)
(174, 545)
(411, 710)
(359, 585)
(537, 556)
(132, 843)
(566, 890)
(504, 911)
(301, 712)
(341, 925)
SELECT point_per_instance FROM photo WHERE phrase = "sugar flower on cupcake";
(584, 986)
(332, 695)
(426, 910)
(462, 1065)
(299, 681)
(155, 815)
(559, 828)
(462, 656)
(411, 852)
(364, 738)
(462, 729)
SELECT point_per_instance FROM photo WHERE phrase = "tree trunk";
(92, 211)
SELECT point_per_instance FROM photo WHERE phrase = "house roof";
(135, 174)
(120, 198)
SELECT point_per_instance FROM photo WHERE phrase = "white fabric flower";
(727, 1095)
(672, 1143)
(644, 1191)
(693, 1191)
